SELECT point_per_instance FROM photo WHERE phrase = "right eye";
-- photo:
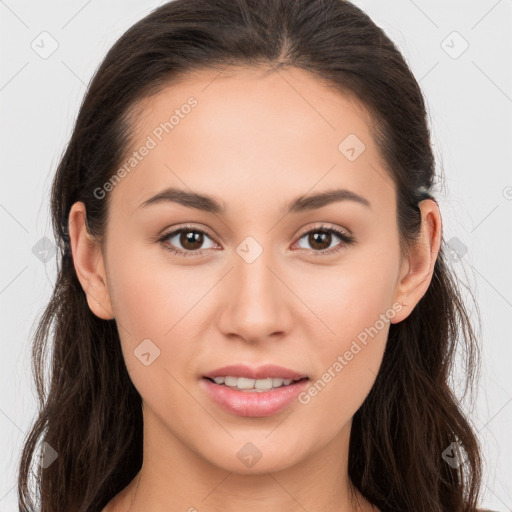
(190, 238)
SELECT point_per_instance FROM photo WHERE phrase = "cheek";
(151, 308)
(354, 303)
(347, 364)
(156, 343)
(151, 295)
(348, 298)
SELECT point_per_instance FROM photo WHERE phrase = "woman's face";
(262, 147)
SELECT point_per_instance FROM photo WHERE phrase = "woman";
(253, 309)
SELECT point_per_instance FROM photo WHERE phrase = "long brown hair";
(411, 416)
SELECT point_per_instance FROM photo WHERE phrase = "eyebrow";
(209, 204)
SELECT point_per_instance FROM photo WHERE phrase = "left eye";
(317, 238)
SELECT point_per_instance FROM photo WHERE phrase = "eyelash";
(346, 239)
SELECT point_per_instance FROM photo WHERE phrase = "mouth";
(242, 396)
(248, 385)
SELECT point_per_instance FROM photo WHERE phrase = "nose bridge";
(257, 305)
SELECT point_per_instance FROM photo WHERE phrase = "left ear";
(418, 267)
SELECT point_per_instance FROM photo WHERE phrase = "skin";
(255, 140)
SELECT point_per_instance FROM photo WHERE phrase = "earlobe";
(419, 267)
(88, 262)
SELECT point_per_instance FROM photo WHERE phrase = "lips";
(246, 403)
(260, 372)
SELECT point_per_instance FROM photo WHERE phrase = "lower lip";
(253, 403)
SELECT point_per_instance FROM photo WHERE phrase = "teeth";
(257, 385)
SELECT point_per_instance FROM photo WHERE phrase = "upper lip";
(261, 372)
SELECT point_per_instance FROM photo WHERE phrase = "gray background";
(469, 97)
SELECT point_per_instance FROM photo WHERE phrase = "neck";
(318, 482)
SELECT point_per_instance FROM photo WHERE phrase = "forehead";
(251, 134)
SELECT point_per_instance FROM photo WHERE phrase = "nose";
(256, 303)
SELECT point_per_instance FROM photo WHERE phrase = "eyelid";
(186, 227)
(325, 227)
